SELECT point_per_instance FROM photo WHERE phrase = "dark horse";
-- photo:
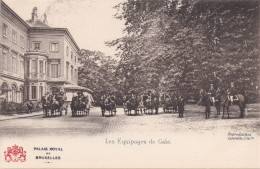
(80, 106)
(108, 103)
(132, 104)
(206, 100)
(240, 101)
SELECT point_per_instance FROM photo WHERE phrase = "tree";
(180, 45)
(97, 72)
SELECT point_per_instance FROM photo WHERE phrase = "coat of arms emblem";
(15, 154)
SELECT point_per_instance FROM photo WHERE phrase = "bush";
(13, 108)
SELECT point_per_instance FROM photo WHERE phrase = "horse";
(45, 105)
(240, 101)
(108, 103)
(206, 100)
(218, 101)
(56, 103)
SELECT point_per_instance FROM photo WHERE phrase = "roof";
(37, 23)
(78, 88)
(17, 16)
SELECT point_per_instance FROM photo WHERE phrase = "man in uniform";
(232, 92)
(212, 93)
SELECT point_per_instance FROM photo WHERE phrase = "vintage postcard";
(129, 84)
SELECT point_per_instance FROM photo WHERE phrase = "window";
(76, 74)
(41, 91)
(17, 66)
(34, 69)
(75, 59)
(54, 47)
(5, 57)
(54, 70)
(45, 68)
(27, 68)
(14, 37)
(67, 71)
(41, 67)
(71, 55)
(71, 73)
(34, 92)
(22, 41)
(67, 51)
(22, 68)
(5, 30)
(36, 46)
(4, 90)
(27, 92)
(13, 94)
(13, 62)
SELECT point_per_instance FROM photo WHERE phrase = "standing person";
(202, 94)
(180, 103)
(212, 93)
(232, 92)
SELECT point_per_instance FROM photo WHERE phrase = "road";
(150, 141)
(193, 122)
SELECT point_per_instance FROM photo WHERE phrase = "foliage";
(179, 46)
(97, 72)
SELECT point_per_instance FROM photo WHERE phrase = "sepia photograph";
(129, 84)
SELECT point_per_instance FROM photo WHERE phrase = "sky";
(90, 22)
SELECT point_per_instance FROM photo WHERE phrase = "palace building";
(35, 58)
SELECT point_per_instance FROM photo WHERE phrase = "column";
(29, 67)
(1, 57)
(38, 68)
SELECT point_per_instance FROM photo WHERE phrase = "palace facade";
(35, 58)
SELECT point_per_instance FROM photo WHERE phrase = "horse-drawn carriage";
(169, 104)
(151, 103)
(108, 104)
(54, 105)
(80, 105)
(132, 103)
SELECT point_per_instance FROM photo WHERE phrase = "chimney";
(45, 18)
(34, 14)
